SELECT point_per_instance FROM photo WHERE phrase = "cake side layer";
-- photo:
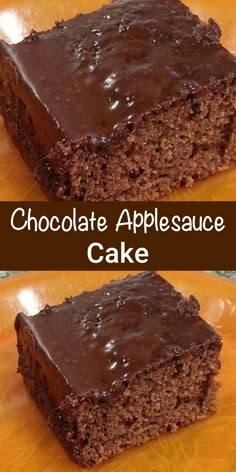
(29, 109)
(45, 368)
(176, 394)
(31, 128)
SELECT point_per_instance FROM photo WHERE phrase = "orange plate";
(25, 441)
(19, 17)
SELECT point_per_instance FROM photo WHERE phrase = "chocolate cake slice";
(118, 366)
(125, 103)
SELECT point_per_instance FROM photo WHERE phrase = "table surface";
(19, 17)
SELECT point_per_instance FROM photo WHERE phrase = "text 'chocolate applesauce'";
(134, 221)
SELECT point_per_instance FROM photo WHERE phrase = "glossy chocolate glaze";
(101, 337)
(99, 70)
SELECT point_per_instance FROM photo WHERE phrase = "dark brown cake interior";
(120, 365)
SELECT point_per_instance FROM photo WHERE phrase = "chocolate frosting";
(103, 337)
(100, 70)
